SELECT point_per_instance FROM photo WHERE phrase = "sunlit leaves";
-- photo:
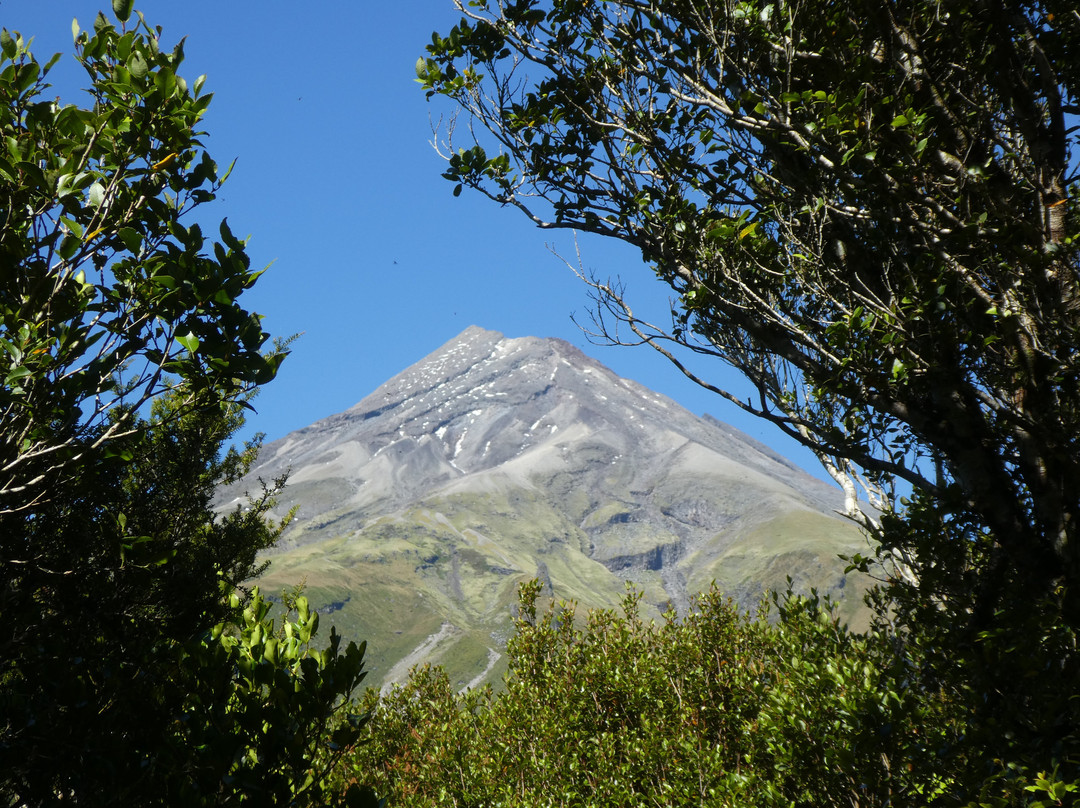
(713, 708)
(276, 695)
(126, 357)
(868, 215)
(101, 195)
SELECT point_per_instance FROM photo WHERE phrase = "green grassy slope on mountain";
(803, 546)
(453, 565)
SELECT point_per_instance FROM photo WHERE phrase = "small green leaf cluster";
(266, 716)
(714, 708)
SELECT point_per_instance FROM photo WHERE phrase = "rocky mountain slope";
(493, 461)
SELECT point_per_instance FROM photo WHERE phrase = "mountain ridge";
(387, 403)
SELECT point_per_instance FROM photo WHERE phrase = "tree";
(716, 708)
(149, 676)
(107, 298)
(134, 668)
(870, 210)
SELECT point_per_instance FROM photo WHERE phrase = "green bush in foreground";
(716, 708)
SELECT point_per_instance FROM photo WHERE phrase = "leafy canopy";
(107, 298)
(134, 669)
(870, 210)
(867, 209)
(717, 708)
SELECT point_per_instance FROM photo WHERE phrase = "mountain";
(492, 461)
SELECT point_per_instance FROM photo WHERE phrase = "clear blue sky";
(374, 260)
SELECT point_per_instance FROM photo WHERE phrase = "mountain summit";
(495, 460)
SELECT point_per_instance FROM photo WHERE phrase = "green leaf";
(137, 65)
(97, 195)
(7, 44)
(72, 225)
(898, 121)
(131, 238)
(122, 9)
(27, 75)
(231, 241)
(189, 341)
(69, 246)
(165, 80)
(20, 372)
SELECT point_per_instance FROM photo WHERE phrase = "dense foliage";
(108, 298)
(133, 669)
(718, 708)
(263, 717)
(870, 210)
